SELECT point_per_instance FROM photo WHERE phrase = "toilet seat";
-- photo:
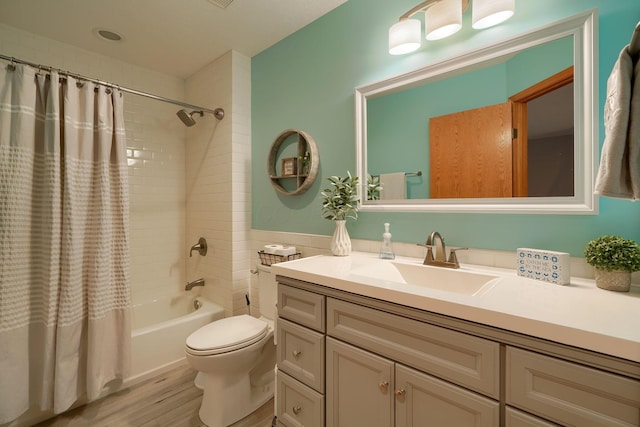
(225, 335)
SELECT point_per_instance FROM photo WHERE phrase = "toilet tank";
(267, 292)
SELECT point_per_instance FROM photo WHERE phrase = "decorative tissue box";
(543, 265)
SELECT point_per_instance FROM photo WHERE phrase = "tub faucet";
(201, 247)
(435, 242)
(191, 285)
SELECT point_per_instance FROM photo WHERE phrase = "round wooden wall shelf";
(303, 173)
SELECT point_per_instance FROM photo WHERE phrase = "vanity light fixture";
(487, 13)
(443, 18)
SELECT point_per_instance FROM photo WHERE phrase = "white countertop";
(578, 314)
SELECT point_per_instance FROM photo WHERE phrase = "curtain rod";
(218, 112)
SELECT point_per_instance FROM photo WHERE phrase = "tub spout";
(191, 285)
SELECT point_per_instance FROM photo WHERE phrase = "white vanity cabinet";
(371, 362)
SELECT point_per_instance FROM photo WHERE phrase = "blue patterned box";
(549, 266)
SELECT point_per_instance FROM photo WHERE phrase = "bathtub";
(160, 328)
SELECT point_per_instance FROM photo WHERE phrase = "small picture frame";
(289, 166)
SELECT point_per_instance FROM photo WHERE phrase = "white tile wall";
(217, 180)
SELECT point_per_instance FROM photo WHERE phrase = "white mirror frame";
(583, 29)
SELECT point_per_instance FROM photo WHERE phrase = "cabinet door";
(423, 400)
(359, 387)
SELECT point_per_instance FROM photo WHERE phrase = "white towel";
(394, 186)
(619, 172)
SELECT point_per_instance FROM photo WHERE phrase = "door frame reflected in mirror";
(582, 29)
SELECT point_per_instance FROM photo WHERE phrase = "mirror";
(401, 122)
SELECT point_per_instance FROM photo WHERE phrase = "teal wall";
(527, 68)
(307, 81)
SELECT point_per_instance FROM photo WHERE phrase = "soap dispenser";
(386, 250)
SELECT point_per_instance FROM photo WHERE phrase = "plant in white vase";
(340, 202)
(614, 259)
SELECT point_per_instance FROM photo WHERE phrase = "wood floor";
(170, 400)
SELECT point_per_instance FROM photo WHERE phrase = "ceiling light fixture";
(443, 18)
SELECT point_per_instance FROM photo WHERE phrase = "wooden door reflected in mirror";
(521, 148)
(470, 153)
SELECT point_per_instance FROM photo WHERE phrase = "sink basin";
(443, 279)
(451, 280)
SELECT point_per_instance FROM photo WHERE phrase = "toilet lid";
(228, 334)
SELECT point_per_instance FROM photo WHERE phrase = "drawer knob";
(383, 386)
(400, 393)
(296, 409)
(296, 353)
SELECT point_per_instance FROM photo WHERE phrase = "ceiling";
(176, 37)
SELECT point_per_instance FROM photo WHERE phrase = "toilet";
(235, 357)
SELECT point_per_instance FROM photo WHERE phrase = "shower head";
(187, 118)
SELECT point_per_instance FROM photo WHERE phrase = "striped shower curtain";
(64, 280)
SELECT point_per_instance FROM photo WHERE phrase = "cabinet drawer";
(298, 405)
(303, 307)
(301, 354)
(463, 359)
(568, 393)
(515, 418)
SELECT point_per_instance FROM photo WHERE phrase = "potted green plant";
(614, 259)
(340, 202)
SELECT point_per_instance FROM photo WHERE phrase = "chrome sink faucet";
(191, 285)
(435, 242)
